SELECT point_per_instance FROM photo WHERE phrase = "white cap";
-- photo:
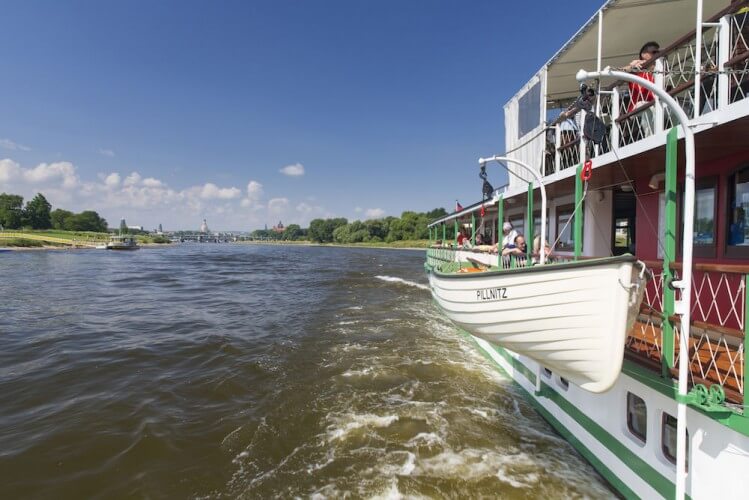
(507, 226)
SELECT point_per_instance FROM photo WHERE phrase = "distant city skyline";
(244, 113)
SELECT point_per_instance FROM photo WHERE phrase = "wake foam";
(395, 279)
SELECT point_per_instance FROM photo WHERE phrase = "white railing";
(701, 81)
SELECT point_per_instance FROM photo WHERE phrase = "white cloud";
(254, 190)
(112, 180)
(9, 170)
(374, 213)
(151, 182)
(106, 152)
(132, 179)
(210, 191)
(13, 146)
(358, 210)
(46, 172)
(277, 206)
(295, 170)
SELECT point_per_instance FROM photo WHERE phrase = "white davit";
(572, 318)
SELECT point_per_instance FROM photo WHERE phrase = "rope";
(639, 202)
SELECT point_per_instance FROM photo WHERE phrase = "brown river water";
(241, 371)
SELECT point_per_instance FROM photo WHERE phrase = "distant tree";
(321, 230)
(87, 220)
(292, 232)
(11, 211)
(37, 213)
(261, 234)
(59, 217)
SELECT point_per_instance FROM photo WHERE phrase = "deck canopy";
(627, 25)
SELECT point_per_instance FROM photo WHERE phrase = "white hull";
(571, 318)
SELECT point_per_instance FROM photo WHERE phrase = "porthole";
(547, 373)
(668, 439)
(637, 417)
(564, 383)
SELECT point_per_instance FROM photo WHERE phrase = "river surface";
(242, 371)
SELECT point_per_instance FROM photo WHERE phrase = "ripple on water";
(249, 371)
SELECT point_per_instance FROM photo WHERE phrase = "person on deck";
(517, 248)
(537, 249)
(639, 95)
(509, 235)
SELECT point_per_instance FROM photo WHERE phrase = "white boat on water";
(654, 397)
(572, 318)
(122, 242)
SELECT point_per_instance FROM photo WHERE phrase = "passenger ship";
(629, 193)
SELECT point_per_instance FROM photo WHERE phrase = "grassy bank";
(51, 237)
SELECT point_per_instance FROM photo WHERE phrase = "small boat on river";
(122, 242)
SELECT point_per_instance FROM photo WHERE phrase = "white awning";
(627, 25)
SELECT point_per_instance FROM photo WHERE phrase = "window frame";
(568, 209)
(671, 458)
(707, 251)
(732, 251)
(643, 438)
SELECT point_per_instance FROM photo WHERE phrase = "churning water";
(225, 371)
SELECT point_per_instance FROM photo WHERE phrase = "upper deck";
(711, 85)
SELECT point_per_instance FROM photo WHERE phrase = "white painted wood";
(573, 320)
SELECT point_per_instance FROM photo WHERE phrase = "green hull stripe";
(639, 466)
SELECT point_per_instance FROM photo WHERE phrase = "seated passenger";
(537, 249)
(509, 235)
(518, 248)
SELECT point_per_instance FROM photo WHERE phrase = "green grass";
(20, 243)
(68, 235)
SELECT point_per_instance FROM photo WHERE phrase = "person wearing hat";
(509, 235)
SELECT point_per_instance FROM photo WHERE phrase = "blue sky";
(171, 112)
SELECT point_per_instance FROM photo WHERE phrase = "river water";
(242, 371)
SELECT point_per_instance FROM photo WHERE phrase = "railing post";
(578, 213)
(444, 232)
(581, 146)
(473, 229)
(669, 254)
(455, 236)
(557, 145)
(657, 108)
(698, 61)
(724, 51)
(500, 231)
(530, 223)
(614, 116)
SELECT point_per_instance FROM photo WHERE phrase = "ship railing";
(718, 327)
(438, 254)
(702, 79)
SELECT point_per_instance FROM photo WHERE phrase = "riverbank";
(395, 245)
(54, 239)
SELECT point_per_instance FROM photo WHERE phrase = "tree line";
(38, 214)
(409, 226)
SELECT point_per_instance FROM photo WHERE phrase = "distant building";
(279, 228)
(161, 231)
(135, 228)
(204, 227)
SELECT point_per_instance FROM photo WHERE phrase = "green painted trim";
(602, 469)
(667, 341)
(578, 214)
(473, 229)
(455, 223)
(529, 224)
(444, 232)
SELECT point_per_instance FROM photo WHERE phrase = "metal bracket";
(710, 401)
(680, 307)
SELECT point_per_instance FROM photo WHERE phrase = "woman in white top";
(509, 235)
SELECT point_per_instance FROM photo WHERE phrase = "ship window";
(529, 110)
(637, 416)
(668, 439)
(547, 372)
(705, 198)
(566, 237)
(738, 217)
(564, 383)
